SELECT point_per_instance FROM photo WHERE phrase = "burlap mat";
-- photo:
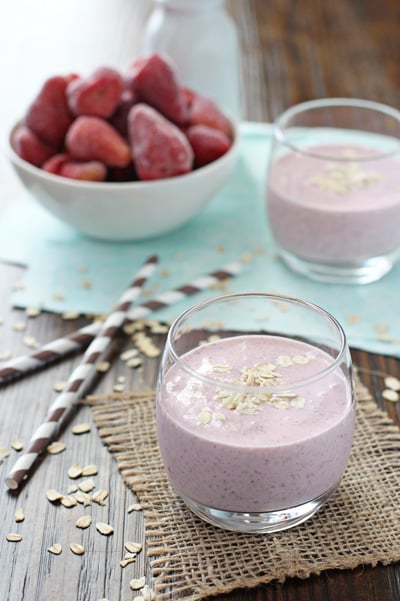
(359, 525)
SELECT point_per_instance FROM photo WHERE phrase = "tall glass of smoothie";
(333, 189)
(255, 410)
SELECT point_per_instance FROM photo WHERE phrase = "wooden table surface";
(292, 51)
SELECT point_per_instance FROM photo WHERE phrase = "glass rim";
(283, 118)
(340, 357)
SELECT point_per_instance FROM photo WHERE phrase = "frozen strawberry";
(93, 139)
(90, 171)
(119, 119)
(48, 116)
(204, 111)
(29, 147)
(208, 144)
(54, 164)
(97, 95)
(159, 148)
(156, 83)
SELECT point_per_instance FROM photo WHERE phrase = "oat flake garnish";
(222, 367)
(301, 359)
(204, 417)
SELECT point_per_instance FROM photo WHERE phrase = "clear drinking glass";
(255, 410)
(333, 189)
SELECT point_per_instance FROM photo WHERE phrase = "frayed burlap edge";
(193, 560)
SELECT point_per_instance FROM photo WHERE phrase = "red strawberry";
(96, 95)
(155, 81)
(90, 171)
(48, 116)
(92, 139)
(54, 164)
(29, 147)
(119, 119)
(159, 148)
(204, 111)
(208, 144)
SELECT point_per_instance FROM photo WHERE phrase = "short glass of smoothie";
(255, 410)
(333, 189)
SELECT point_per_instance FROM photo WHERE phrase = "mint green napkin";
(68, 272)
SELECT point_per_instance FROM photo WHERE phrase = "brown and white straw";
(80, 339)
(80, 380)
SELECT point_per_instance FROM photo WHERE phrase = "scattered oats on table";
(31, 342)
(32, 311)
(81, 428)
(137, 583)
(390, 395)
(53, 495)
(393, 383)
(75, 471)
(77, 549)
(83, 522)
(87, 485)
(55, 549)
(19, 515)
(19, 326)
(90, 470)
(58, 296)
(56, 447)
(4, 355)
(133, 547)
(104, 528)
(12, 537)
(59, 386)
(103, 366)
(17, 444)
(68, 501)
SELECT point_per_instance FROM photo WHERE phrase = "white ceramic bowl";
(126, 211)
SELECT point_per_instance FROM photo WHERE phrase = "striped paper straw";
(80, 380)
(80, 339)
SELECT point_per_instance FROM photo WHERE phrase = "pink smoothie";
(255, 453)
(330, 210)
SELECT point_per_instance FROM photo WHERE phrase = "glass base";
(363, 272)
(266, 521)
